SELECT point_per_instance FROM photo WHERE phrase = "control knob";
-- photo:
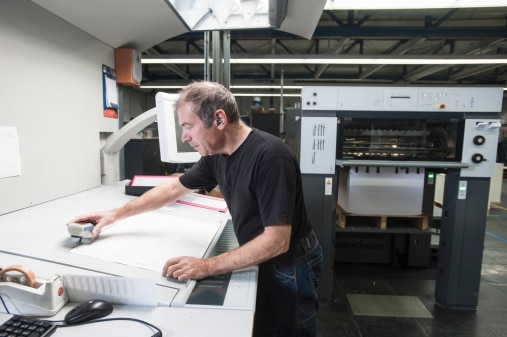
(479, 140)
(477, 158)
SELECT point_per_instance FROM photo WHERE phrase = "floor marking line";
(497, 237)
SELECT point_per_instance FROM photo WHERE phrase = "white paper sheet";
(111, 93)
(10, 165)
(117, 290)
(148, 240)
(192, 199)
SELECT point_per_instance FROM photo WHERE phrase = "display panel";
(172, 149)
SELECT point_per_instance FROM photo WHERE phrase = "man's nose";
(185, 137)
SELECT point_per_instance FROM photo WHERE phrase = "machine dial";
(479, 140)
(477, 158)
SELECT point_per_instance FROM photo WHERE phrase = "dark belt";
(299, 248)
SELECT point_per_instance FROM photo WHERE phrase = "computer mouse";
(88, 310)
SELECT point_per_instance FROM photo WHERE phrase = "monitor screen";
(172, 149)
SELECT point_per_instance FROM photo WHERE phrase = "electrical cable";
(5, 305)
(158, 332)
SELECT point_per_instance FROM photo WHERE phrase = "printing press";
(372, 153)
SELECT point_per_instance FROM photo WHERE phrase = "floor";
(337, 318)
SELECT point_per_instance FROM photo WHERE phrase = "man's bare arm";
(153, 199)
(275, 240)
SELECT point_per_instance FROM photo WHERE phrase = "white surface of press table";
(37, 238)
(40, 231)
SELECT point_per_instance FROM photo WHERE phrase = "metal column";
(463, 226)
(221, 50)
(321, 211)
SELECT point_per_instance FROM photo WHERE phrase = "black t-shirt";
(261, 183)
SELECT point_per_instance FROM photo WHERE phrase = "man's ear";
(220, 117)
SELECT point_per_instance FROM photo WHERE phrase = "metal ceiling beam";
(385, 37)
(428, 70)
(442, 19)
(337, 50)
(288, 50)
(369, 31)
(171, 67)
(237, 44)
(473, 71)
(400, 50)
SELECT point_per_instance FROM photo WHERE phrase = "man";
(260, 180)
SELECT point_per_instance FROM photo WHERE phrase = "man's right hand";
(98, 219)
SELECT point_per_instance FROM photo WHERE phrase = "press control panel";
(452, 99)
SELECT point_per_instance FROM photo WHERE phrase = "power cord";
(5, 305)
(158, 332)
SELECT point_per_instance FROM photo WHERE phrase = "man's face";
(201, 139)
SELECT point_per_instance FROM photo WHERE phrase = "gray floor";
(340, 317)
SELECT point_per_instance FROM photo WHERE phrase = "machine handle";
(394, 163)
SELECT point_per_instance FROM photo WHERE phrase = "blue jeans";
(287, 300)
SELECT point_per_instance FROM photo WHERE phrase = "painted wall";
(51, 91)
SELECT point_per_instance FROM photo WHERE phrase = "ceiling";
(119, 23)
(151, 27)
(444, 32)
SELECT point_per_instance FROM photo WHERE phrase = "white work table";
(174, 322)
(40, 231)
(37, 238)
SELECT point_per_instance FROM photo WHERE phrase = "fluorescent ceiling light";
(177, 60)
(177, 87)
(371, 60)
(277, 87)
(334, 59)
(264, 95)
(404, 4)
(161, 86)
(262, 87)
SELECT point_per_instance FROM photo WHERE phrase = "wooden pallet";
(380, 220)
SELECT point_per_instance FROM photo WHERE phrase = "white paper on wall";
(10, 165)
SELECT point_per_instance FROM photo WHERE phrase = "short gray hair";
(208, 97)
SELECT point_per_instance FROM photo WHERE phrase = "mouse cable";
(5, 305)
(158, 332)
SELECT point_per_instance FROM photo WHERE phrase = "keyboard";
(23, 326)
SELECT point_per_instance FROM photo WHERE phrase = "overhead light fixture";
(177, 59)
(239, 94)
(366, 59)
(275, 87)
(229, 14)
(397, 4)
(249, 87)
(264, 95)
(261, 87)
(175, 87)
(333, 59)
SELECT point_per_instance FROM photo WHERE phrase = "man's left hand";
(186, 267)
